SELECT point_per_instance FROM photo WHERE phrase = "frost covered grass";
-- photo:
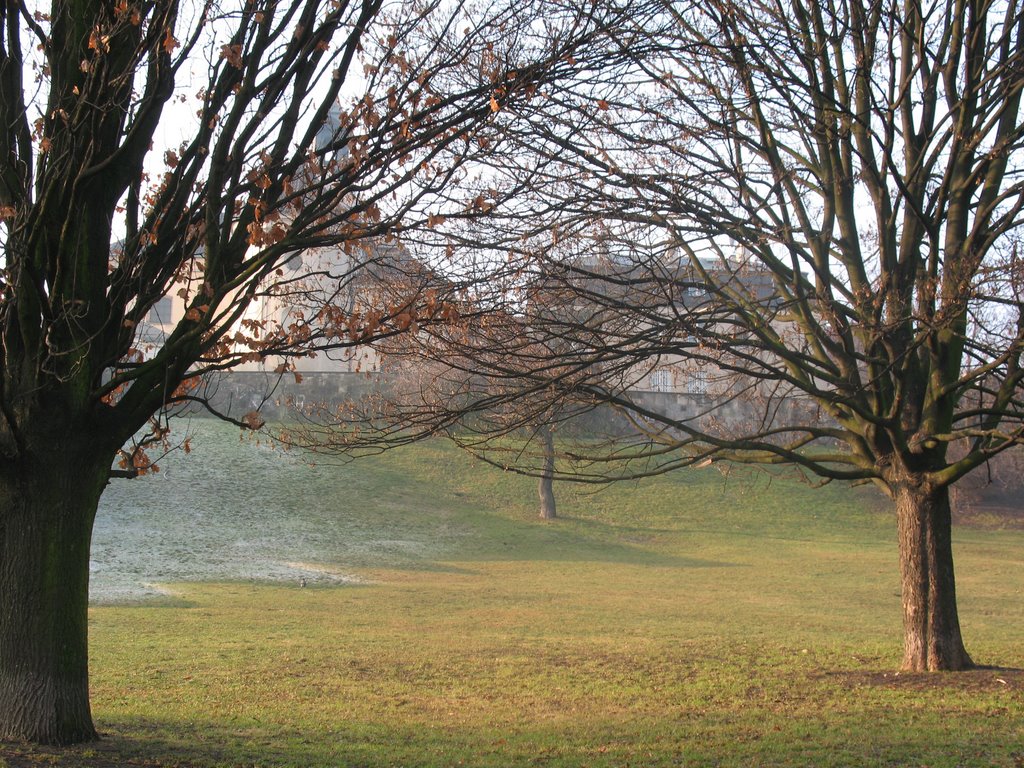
(691, 620)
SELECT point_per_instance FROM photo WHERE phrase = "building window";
(160, 312)
(661, 380)
(697, 383)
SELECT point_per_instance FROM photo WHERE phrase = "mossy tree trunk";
(48, 502)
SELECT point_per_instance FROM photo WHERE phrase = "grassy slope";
(687, 620)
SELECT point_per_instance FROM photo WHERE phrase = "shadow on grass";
(580, 552)
(154, 743)
(160, 744)
(711, 738)
(574, 540)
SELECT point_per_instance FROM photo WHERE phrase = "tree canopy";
(815, 211)
(158, 149)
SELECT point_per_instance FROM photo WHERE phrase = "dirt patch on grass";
(982, 679)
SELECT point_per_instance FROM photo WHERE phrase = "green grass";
(684, 621)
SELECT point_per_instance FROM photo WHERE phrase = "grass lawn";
(690, 620)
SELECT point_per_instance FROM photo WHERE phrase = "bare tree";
(816, 208)
(479, 378)
(100, 222)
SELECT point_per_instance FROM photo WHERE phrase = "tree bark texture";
(49, 503)
(931, 627)
(545, 485)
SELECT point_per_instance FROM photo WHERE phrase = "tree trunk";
(48, 503)
(931, 628)
(544, 485)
